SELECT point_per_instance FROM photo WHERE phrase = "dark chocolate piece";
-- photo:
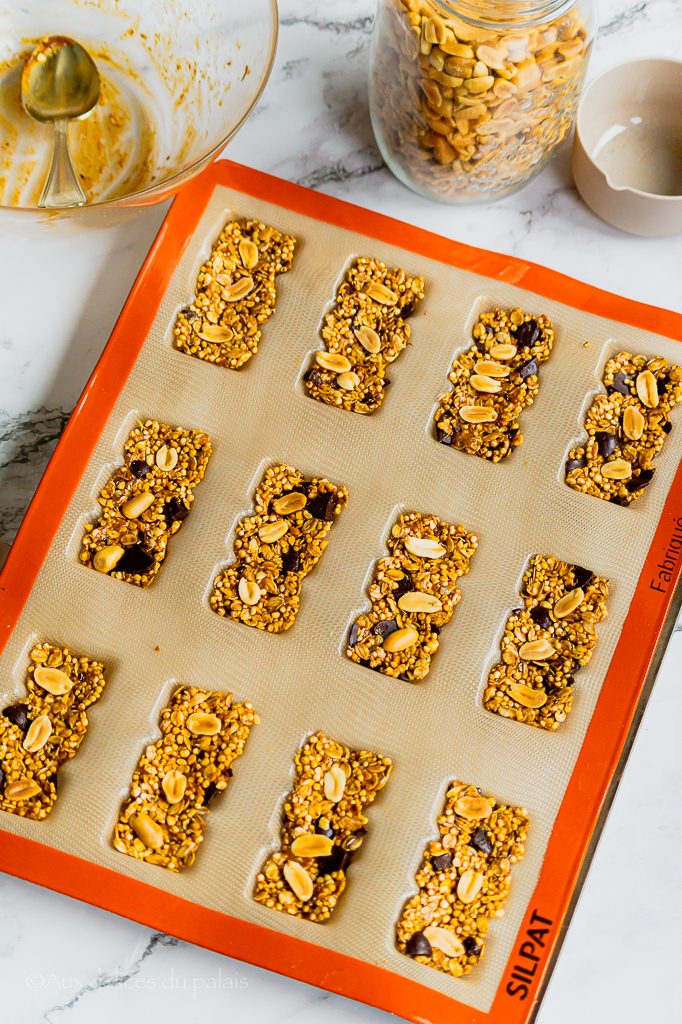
(606, 443)
(134, 560)
(418, 945)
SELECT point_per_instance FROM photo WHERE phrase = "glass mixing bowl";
(179, 77)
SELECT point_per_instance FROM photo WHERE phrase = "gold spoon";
(59, 83)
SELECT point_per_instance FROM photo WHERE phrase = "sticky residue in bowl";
(112, 149)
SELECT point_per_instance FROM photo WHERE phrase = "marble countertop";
(63, 961)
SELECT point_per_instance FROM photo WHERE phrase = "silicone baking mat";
(301, 681)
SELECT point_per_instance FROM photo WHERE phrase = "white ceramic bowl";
(627, 151)
(179, 78)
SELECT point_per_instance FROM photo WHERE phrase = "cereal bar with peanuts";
(493, 381)
(44, 730)
(547, 642)
(323, 828)
(414, 593)
(146, 501)
(163, 820)
(276, 548)
(235, 294)
(469, 112)
(464, 881)
(364, 332)
(626, 429)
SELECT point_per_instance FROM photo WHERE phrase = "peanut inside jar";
(462, 110)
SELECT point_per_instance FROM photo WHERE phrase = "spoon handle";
(62, 187)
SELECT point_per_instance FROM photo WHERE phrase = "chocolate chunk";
(16, 713)
(210, 792)
(405, 678)
(606, 443)
(2, 779)
(338, 860)
(139, 468)
(576, 668)
(290, 561)
(480, 841)
(442, 862)
(667, 427)
(404, 586)
(81, 677)
(620, 383)
(134, 560)
(322, 507)
(617, 500)
(471, 947)
(661, 384)
(353, 638)
(570, 681)
(328, 832)
(314, 376)
(541, 617)
(386, 382)
(581, 577)
(435, 629)
(191, 314)
(174, 511)
(643, 480)
(408, 309)
(385, 627)
(418, 945)
(53, 779)
(529, 369)
(527, 333)
(572, 464)
(480, 345)
(443, 437)
(512, 432)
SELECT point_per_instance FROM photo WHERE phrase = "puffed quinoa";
(493, 381)
(146, 501)
(203, 733)
(57, 705)
(367, 329)
(326, 811)
(464, 880)
(406, 578)
(262, 587)
(235, 294)
(626, 429)
(546, 642)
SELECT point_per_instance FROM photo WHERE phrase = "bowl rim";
(162, 190)
(580, 111)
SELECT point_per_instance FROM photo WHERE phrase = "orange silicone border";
(605, 737)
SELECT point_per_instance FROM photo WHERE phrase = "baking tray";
(301, 681)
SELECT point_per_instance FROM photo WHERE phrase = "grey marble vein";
(111, 980)
(356, 25)
(622, 20)
(26, 444)
(338, 172)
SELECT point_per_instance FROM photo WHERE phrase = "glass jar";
(471, 98)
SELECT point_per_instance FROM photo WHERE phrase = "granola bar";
(547, 642)
(146, 501)
(493, 381)
(276, 548)
(364, 332)
(162, 822)
(323, 828)
(413, 595)
(464, 881)
(41, 732)
(235, 294)
(626, 429)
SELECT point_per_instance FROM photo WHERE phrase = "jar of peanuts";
(471, 98)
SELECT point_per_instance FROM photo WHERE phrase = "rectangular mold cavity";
(388, 463)
(351, 375)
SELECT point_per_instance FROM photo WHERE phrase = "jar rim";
(507, 13)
